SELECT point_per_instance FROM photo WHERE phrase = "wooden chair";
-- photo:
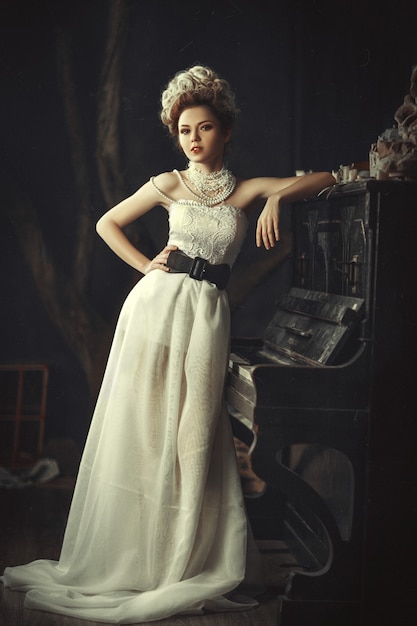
(23, 393)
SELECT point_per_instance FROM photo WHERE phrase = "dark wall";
(316, 82)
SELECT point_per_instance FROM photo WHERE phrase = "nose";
(195, 136)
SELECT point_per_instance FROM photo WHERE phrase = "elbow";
(100, 225)
(106, 227)
(326, 179)
(330, 179)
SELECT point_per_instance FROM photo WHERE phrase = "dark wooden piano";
(331, 390)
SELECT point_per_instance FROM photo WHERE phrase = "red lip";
(195, 149)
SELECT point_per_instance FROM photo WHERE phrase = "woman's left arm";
(280, 191)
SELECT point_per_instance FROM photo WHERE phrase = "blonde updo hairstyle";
(197, 86)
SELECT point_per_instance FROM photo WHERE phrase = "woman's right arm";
(110, 228)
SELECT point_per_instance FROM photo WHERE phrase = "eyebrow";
(203, 122)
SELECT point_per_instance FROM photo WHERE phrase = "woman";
(157, 525)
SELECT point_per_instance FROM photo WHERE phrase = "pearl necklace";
(213, 188)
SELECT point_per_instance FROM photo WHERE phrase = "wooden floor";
(32, 523)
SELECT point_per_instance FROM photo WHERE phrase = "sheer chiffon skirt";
(157, 525)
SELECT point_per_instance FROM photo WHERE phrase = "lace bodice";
(213, 233)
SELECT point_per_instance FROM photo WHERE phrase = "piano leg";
(330, 587)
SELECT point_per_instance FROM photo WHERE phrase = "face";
(201, 137)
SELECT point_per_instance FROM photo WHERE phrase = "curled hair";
(196, 86)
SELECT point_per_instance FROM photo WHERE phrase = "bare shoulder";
(167, 182)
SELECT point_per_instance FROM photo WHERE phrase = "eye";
(207, 127)
(184, 131)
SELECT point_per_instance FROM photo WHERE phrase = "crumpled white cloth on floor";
(43, 471)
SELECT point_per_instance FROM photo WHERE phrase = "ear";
(227, 135)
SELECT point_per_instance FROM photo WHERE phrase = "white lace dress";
(157, 525)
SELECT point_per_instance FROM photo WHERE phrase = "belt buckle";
(198, 268)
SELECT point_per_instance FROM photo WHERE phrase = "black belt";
(199, 268)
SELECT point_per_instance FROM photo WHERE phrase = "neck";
(213, 186)
(207, 168)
